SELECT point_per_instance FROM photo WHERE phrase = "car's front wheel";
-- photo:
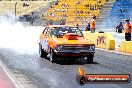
(90, 58)
(52, 57)
(43, 54)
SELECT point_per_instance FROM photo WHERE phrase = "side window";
(48, 32)
(45, 30)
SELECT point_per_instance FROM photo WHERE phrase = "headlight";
(59, 48)
(92, 48)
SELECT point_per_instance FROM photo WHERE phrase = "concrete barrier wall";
(126, 46)
(101, 40)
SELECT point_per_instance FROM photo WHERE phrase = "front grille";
(75, 48)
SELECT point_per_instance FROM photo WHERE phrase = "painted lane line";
(10, 75)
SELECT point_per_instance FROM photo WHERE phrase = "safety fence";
(126, 47)
(101, 40)
(107, 41)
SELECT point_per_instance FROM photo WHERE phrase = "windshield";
(63, 30)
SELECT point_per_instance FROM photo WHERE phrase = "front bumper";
(74, 53)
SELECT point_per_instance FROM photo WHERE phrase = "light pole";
(15, 10)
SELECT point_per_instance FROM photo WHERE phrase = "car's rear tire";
(90, 58)
(52, 57)
(43, 54)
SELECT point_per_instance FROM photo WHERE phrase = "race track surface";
(34, 72)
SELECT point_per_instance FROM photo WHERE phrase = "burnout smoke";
(17, 37)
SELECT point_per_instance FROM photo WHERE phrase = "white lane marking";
(9, 74)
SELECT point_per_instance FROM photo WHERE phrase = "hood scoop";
(71, 36)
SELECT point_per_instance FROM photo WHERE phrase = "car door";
(44, 40)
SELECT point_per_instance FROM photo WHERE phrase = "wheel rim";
(40, 49)
(51, 56)
(83, 60)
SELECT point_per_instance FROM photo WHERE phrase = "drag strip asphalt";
(33, 71)
(6, 81)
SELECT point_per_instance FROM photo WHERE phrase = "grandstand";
(121, 10)
(109, 12)
(74, 11)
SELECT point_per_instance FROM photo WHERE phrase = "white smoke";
(17, 37)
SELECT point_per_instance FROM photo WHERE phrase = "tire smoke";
(17, 37)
